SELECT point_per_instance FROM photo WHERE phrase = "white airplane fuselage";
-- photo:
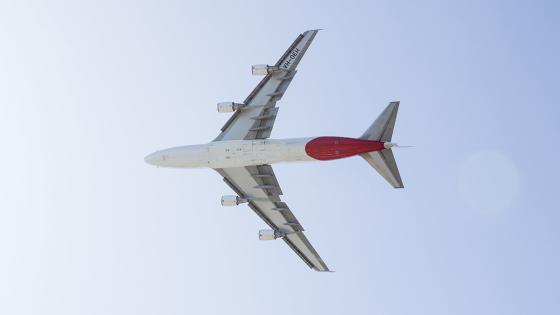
(239, 153)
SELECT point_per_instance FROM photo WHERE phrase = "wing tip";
(313, 30)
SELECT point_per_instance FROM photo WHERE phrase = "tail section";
(382, 130)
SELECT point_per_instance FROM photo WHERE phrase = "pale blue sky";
(87, 89)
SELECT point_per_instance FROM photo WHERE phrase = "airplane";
(243, 153)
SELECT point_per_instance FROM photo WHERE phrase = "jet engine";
(263, 69)
(230, 201)
(228, 107)
(269, 235)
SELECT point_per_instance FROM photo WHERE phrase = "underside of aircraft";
(243, 153)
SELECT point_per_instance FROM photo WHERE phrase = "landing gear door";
(248, 147)
(259, 145)
(258, 152)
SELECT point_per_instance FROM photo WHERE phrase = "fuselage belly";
(239, 153)
(234, 153)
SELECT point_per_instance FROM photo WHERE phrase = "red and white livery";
(243, 153)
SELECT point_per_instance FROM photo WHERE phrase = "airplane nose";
(154, 158)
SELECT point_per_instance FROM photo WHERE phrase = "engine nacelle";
(263, 69)
(268, 235)
(230, 201)
(228, 107)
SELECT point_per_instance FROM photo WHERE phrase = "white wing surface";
(256, 119)
(259, 185)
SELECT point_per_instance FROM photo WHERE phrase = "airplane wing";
(256, 119)
(260, 186)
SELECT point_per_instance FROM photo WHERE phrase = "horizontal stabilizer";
(384, 163)
(382, 127)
